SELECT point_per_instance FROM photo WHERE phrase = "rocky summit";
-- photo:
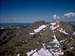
(54, 38)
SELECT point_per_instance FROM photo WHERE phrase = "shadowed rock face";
(19, 41)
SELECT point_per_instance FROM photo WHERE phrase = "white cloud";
(70, 14)
(54, 16)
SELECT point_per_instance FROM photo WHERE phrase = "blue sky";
(25, 11)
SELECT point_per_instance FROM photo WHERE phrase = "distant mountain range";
(23, 25)
(14, 25)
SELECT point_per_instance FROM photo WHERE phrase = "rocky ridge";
(47, 39)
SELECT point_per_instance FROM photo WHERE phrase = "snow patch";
(63, 31)
(31, 52)
(18, 54)
(73, 33)
(54, 27)
(31, 33)
(71, 47)
(40, 28)
(63, 40)
(54, 23)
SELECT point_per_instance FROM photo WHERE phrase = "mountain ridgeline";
(19, 41)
